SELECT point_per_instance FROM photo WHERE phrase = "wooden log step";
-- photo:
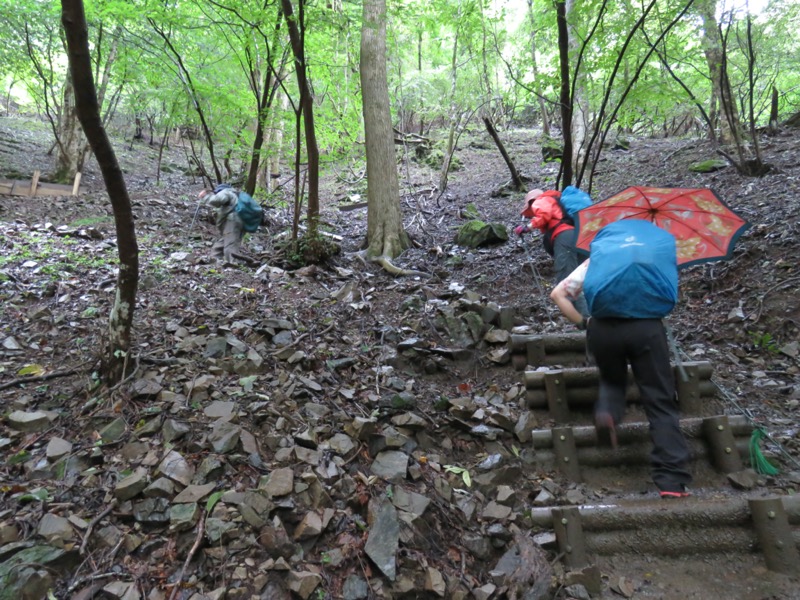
(547, 350)
(640, 432)
(565, 342)
(645, 514)
(584, 397)
(692, 526)
(590, 376)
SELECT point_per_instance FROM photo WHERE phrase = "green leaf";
(31, 370)
(19, 457)
(212, 500)
(37, 495)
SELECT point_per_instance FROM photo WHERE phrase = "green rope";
(757, 460)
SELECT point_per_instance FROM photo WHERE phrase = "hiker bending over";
(626, 326)
(231, 228)
(558, 235)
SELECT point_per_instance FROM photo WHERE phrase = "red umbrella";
(704, 227)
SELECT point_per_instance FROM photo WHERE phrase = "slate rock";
(131, 485)
(224, 436)
(183, 517)
(383, 540)
(355, 588)
(280, 483)
(57, 447)
(392, 465)
(55, 529)
(31, 572)
(151, 510)
(303, 583)
(114, 431)
(174, 466)
(29, 422)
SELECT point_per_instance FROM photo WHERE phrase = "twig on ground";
(94, 522)
(201, 526)
(45, 377)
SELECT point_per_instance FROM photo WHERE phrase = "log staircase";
(630, 518)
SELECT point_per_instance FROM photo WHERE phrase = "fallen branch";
(94, 522)
(200, 530)
(45, 377)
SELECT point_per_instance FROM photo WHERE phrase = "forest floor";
(244, 372)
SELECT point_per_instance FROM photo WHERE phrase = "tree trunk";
(565, 97)
(296, 27)
(712, 47)
(516, 178)
(385, 234)
(580, 103)
(534, 66)
(773, 111)
(454, 116)
(69, 158)
(115, 355)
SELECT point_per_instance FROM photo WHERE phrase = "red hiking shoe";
(606, 432)
(669, 494)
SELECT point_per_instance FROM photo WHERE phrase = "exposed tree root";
(388, 266)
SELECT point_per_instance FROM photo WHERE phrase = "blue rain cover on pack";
(633, 272)
(574, 199)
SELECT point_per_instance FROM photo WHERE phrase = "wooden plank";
(34, 183)
(5, 187)
(76, 186)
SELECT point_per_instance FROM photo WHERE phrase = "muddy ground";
(57, 271)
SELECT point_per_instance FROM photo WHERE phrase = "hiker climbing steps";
(561, 389)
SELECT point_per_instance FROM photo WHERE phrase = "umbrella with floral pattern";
(705, 229)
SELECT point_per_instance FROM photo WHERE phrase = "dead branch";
(200, 530)
(45, 377)
(94, 522)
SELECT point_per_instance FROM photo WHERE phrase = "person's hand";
(520, 229)
(202, 194)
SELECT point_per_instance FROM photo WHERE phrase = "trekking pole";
(538, 279)
(199, 204)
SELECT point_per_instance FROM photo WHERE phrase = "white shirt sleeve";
(573, 284)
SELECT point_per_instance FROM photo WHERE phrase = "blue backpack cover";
(573, 200)
(633, 273)
(249, 212)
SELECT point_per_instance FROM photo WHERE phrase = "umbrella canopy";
(705, 229)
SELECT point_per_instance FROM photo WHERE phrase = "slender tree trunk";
(712, 47)
(116, 354)
(534, 66)
(385, 233)
(565, 97)
(516, 178)
(297, 39)
(580, 102)
(454, 116)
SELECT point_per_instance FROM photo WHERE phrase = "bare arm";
(561, 298)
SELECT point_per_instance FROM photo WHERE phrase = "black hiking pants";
(642, 343)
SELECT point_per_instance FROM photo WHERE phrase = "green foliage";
(308, 251)
(764, 341)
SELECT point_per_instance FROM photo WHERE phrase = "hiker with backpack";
(236, 213)
(630, 283)
(549, 215)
